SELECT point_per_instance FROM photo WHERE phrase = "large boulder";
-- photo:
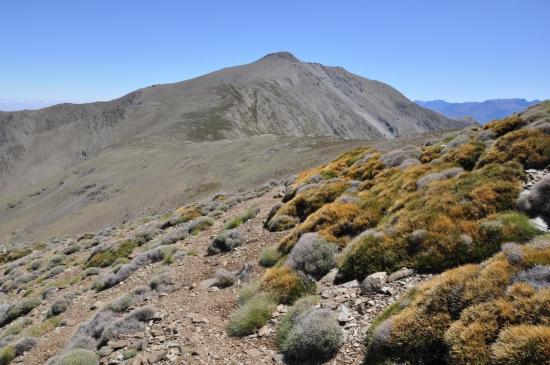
(373, 283)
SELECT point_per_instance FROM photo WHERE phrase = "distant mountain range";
(482, 112)
(8, 105)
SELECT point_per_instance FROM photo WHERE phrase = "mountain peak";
(283, 55)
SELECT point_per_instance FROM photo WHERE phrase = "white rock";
(373, 283)
(399, 274)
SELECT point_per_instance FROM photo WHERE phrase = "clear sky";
(74, 50)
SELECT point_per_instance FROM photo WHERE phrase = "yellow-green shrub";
(530, 147)
(465, 315)
(108, 257)
(309, 200)
(286, 284)
(503, 126)
(465, 155)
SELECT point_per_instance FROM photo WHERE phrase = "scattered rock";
(208, 283)
(399, 274)
(117, 344)
(98, 304)
(373, 283)
(344, 315)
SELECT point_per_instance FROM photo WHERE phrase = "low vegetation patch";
(104, 258)
(242, 218)
(494, 312)
(251, 315)
(78, 357)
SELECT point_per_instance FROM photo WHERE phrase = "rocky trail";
(189, 326)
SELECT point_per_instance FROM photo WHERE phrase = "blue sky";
(97, 50)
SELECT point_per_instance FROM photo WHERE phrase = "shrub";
(312, 255)
(128, 354)
(142, 259)
(522, 345)
(466, 155)
(91, 271)
(43, 327)
(338, 222)
(269, 256)
(200, 224)
(161, 282)
(226, 241)
(282, 222)
(7, 354)
(17, 326)
(225, 278)
(54, 271)
(104, 258)
(23, 345)
(78, 357)
(365, 255)
(71, 249)
(308, 201)
(248, 292)
(133, 322)
(315, 335)
(58, 307)
(56, 260)
(287, 285)
(122, 303)
(176, 235)
(241, 218)
(14, 255)
(502, 126)
(464, 314)
(288, 321)
(537, 276)
(530, 147)
(436, 176)
(252, 315)
(36, 264)
(11, 312)
(516, 227)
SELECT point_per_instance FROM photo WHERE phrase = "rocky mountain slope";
(277, 94)
(421, 254)
(71, 167)
(483, 111)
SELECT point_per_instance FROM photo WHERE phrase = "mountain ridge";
(277, 94)
(482, 111)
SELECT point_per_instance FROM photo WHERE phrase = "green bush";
(249, 291)
(7, 354)
(252, 315)
(109, 256)
(495, 312)
(269, 256)
(286, 284)
(122, 303)
(58, 307)
(242, 218)
(78, 357)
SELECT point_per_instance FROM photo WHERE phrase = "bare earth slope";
(277, 94)
(152, 175)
